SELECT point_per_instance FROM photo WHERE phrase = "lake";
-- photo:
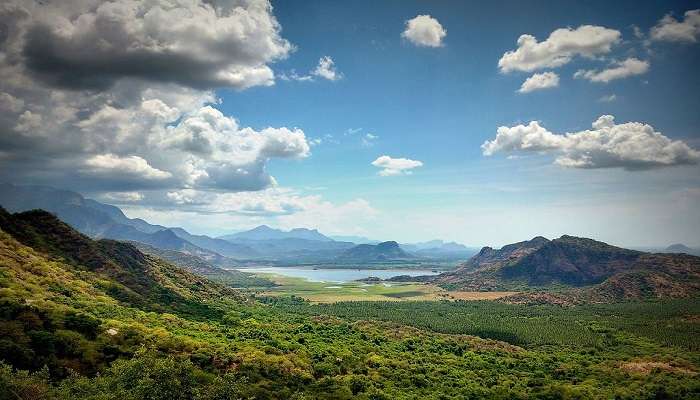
(337, 275)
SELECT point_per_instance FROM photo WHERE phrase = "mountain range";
(592, 270)
(263, 243)
(681, 249)
(564, 270)
(264, 232)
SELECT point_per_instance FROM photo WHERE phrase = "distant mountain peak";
(384, 251)
(681, 248)
(264, 232)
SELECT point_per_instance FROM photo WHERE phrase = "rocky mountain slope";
(116, 268)
(385, 251)
(597, 271)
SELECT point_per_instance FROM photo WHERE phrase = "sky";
(483, 124)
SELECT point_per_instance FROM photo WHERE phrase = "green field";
(326, 292)
(670, 323)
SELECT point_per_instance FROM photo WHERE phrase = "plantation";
(667, 323)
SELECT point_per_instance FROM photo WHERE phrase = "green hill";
(579, 270)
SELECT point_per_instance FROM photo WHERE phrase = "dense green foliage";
(98, 320)
(597, 326)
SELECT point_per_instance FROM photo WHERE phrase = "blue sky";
(391, 146)
(438, 105)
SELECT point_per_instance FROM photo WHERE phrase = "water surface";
(337, 275)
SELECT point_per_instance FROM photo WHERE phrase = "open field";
(330, 292)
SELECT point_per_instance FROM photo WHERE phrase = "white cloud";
(211, 214)
(116, 90)
(227, 156)
(424, 30)
(326, 69)
(122, 197)
(621, 69)
(294, 76)
(559, 48)
(395, 166)
(368, 140)
(269, 202)
(28, 121)
(544, 80)
(281, 207)
(135, 166)
(637, 31)
(92, 43)
(608, 98)
(671, 30)
(10, 103)
(631, 145)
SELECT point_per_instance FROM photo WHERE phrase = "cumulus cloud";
(214, 136)
(280, 207)
(28, 121)
(541, 81)
(105, 115)
(221, 154)
(619, 70)
(269, 202)
(632, 145)
(424, 30)
(92, 44)
(111, 164)
(559, 48)
(395, 166)
(9, 103)
(671, 30)
(326, 69)
(122, 197)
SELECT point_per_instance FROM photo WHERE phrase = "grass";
(332, 292)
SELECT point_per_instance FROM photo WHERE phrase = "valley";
(349, 200)
(109, 318)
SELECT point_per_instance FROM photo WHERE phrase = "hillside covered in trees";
(84, 319)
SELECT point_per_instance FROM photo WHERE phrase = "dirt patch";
(692, 318)
(647, 367)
